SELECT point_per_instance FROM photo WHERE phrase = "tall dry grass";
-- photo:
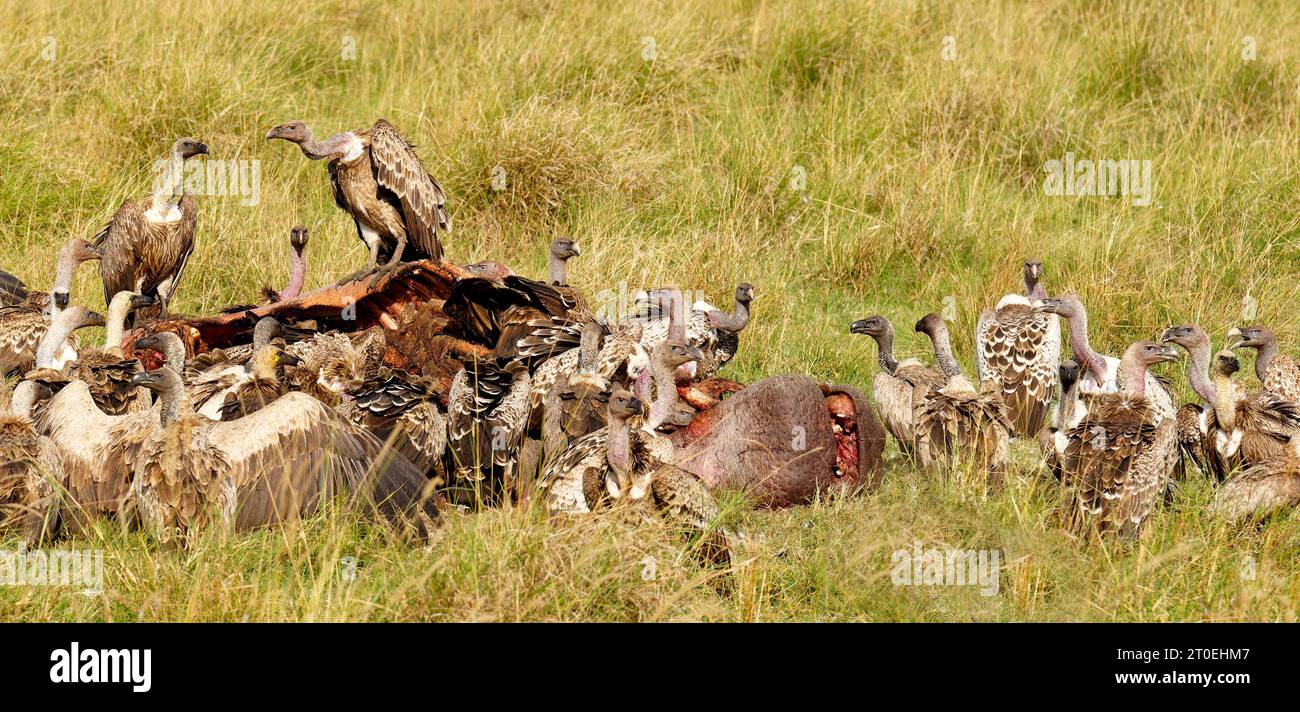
(921, 181)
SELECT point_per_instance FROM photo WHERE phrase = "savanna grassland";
(825, 151)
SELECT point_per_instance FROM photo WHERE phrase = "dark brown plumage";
(400, 211)
(1019, 349)
(487, 417)
(147, 243)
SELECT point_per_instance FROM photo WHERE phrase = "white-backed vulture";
(617, 460)
(1119, 457)
(106, 369)
(399, 210)
(657, 384)
(31, 473)
(275, 465)
(1262, 488)
(1020, 349)
(900, 387)
(263, 385)
(148, 242)
(562, 250)
(956, 424)
(1278, 372)
(1196, 423)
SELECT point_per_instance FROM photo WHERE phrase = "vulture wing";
(1283, 378)
(289, 455)
(399, 169)
(12, 289)
(1019, 349)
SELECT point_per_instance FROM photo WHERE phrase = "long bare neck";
(1133, 375)
(885, 351)
(63, 273)
(297, 274)
(736, 321)
(331, 147)
(943, 353)
(174, 354)
(175, 404)
(1198, 372)
(618, 445)
(1225, 403)
(1034, 289)
(557, 269)
(1095, 364)
(665, 390)
(1263, 356)
(676, 315)
(24, 397)
(115, 323)
(58, 332)
(173, 185)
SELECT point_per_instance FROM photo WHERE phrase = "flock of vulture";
(1114, 439)
(418, 385)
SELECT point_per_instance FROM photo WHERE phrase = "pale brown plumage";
(275, 465)
(148, 242)
(1195, 424)
(1262, 488)
(1247, 428)
(1116, 461)
(400, 211)
(899, 388)
(31, 473)
(262, 387)
(1279, 373)
(21, 330)
(402, 408)
(1019, 348)
(957, 425)
(581, 478)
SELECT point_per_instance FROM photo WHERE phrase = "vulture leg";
(393, 262)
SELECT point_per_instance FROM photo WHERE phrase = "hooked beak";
(288, 359)
(695, 353)
(201, 149)
(577, 249)
(144, 378)
(1235, 333)
(1169, 355)
(142, 300)
(858, 327)
(94, 319)
(274, 133)
(1167, 336)
(639, 406)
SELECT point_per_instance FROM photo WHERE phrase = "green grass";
(923, 182)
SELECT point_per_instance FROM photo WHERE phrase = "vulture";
(24, 321)
(274, 465)
(148, 242)
(1019, 349)
(957, 423)
(1262, 488)
(297, 267)
(1051, 440)
(399, 209)
(25, 331)
(662, 312)
(487, 418)
(726, 330)
(1102, 372)
(900, 387)
(1119, 456)
(1278, 372)
(1248, 428)
(401, 408)
(31, 472)
(1196, 424)
(657, 384)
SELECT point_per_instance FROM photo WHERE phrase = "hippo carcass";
(785, 439)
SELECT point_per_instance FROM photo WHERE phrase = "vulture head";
(1188, 336)
(74, 252)
(873, 326)
(1149, 353)
(266, 329)
(188, 148)
(624, 405)
(159, 380)
(294, 132)
(563, 248)
(675, 352)
(744, 293)
(1033, 272)
(1067, 306)
(79, 317)
(931, 325)
(298, 237)
(1226, 363)
(490, 270)
(1252, 337)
